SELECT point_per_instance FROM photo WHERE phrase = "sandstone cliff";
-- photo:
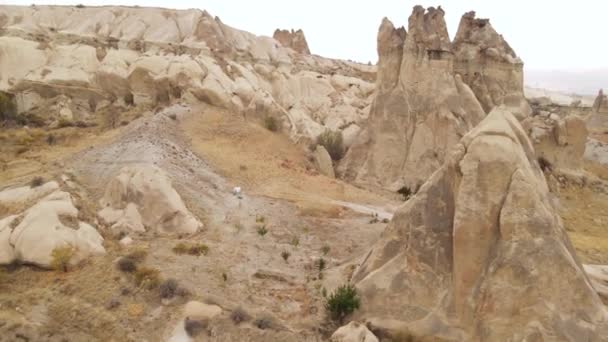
(421, 108)
(480, 253)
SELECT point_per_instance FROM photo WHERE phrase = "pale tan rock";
(323, 161)
(42, 228)
(481, 248)
(353, 332)
(598, 274)
(200, 311)
(26, 194)
(560, 142)
(144, 193)
(417, 95)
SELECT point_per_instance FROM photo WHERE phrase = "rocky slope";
(83, 62)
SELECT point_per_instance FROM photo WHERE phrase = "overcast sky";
(546, 34)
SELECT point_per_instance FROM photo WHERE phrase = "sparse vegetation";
(224, 276)
(36, 182)
(285, 255)
(127, 265)
(168, 288)
(194, 327)
(320, 263)
(333, 143)
(405, 192)
(239, 315)
(263, 323)
(325, 249)
(544, 164)
(260, 219)
(173, 116)
(147, 277)
(196, 249)
(295, 241)
(271, 123)
(342, 302)
(138, 255)
(262, 230)
(61, 257)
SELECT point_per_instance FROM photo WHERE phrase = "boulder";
(52, 222)
(200, 311)
(417, 95)
(323, 161)
(353, 332)
(480, 252)
(143, 196)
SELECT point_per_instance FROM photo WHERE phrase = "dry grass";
(585, 216)
(196, 249)
(275, 167)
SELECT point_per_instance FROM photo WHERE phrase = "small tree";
(333, 143)
(342, 302)
(60, 258)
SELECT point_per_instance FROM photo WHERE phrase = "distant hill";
(583, 82)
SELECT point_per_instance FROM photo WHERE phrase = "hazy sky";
(546, 34)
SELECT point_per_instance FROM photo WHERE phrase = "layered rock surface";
(480, 253)
(421, 108)
(76, 61)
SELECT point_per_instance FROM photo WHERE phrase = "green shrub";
(271, 123)
(342, 302)
(333, 143)
(320, 264)
(60, 258)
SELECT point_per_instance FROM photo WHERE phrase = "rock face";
(421, 108)
(489, 65)
(50, 222)
(143, 197)
(80, 63)
(353, 332)
(323, 161)
(480, 253)
(292, 39)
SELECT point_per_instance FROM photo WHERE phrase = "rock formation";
(421, 108)
(559, 141)
(142, 197)
(77, 63)
(292, 39)
(480, 253)
(41, 220)
(600, 105)
(489, 65)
